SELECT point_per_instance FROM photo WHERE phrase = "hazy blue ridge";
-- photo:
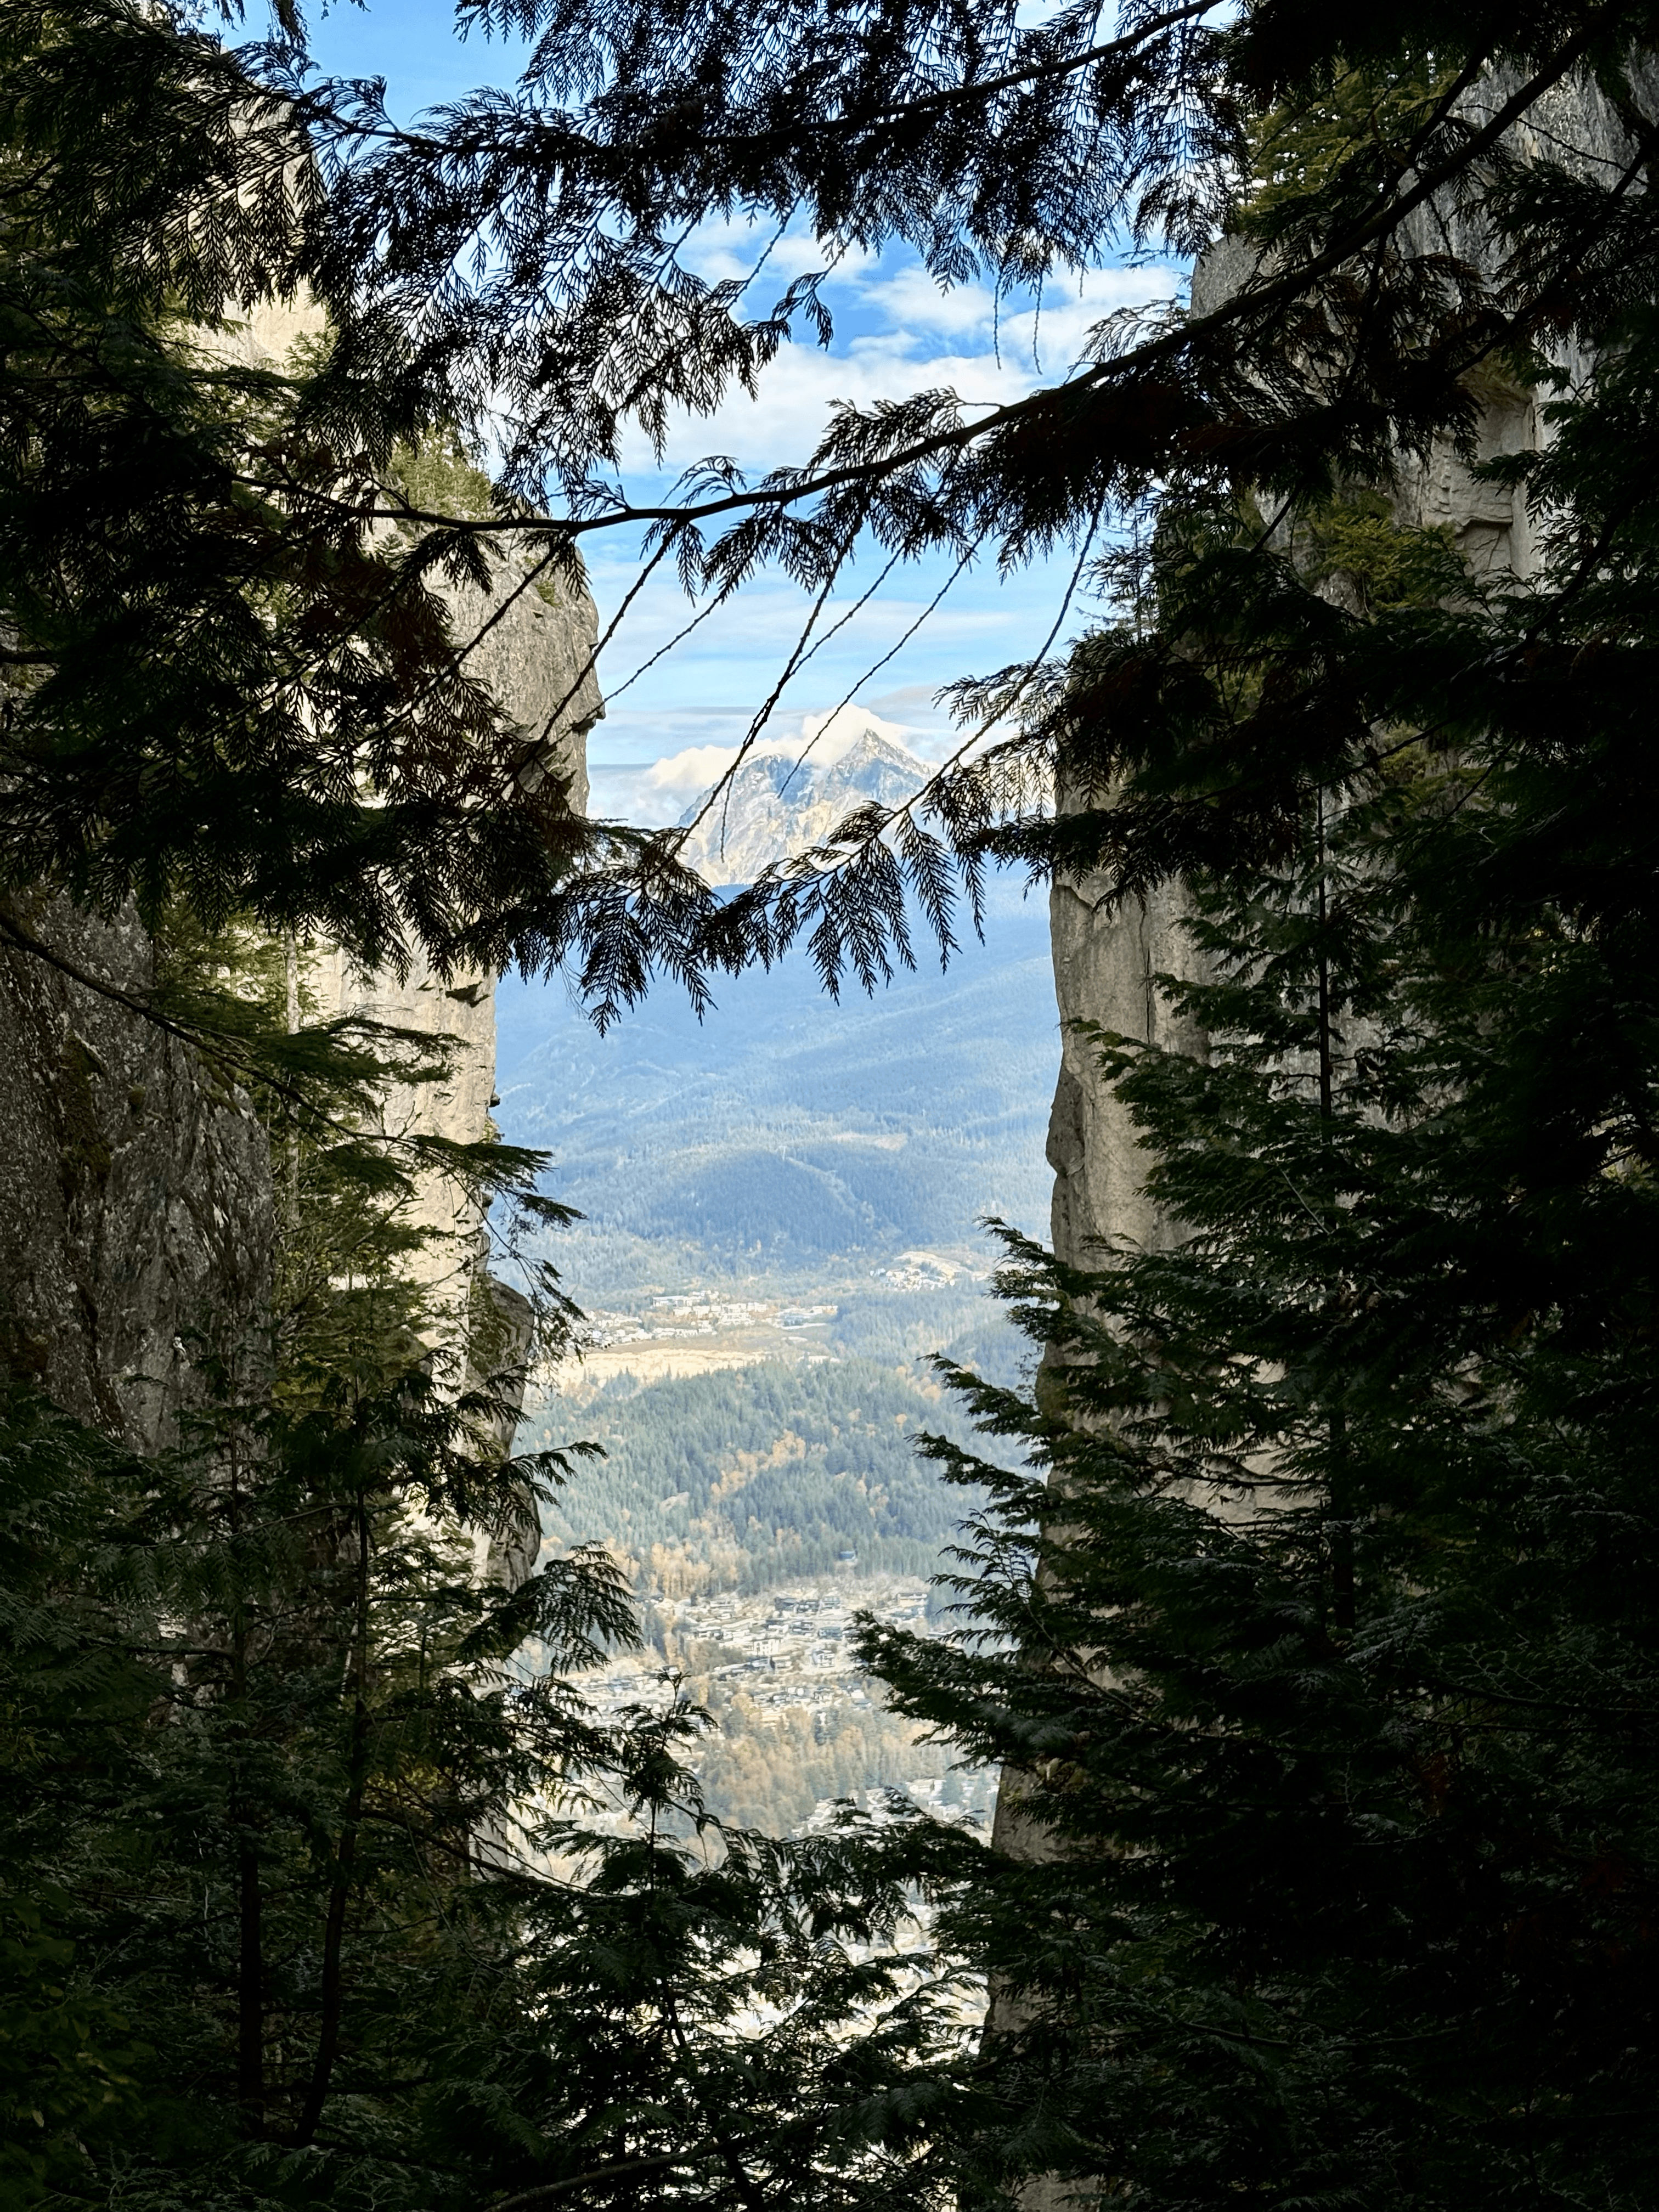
(809, 1151)
(785, 1131)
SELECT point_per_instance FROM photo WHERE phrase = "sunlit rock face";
(1105, 956)
(534, 656)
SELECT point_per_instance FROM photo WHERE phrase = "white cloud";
(1059, 327)
(823, 738)
(719, 251)
(691, 771)
(897, 333)
(654, 791)
(785, 419)
(911, 301)
(737, 654)
(832, 735)
(909, 699)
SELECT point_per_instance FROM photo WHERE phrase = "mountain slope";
(780, 802)
(787, 1133)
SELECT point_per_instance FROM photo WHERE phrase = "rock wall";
(534, 659)
(1104, 957)
(531, 645)
(137, 1222)
(137, 1209)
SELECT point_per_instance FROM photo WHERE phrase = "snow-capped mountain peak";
(781, 801)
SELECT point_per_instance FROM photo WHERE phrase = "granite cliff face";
(1105, 957)
(534, 658)
(137, 1209)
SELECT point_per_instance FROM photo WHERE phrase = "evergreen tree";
(305, 1901)
(313, 1890)
(1322, 1659)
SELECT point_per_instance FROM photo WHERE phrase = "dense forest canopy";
(752, 1476)
(1325, 1661)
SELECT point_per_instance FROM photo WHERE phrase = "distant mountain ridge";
(786, 1135)
(799, 1145)
(780, 802)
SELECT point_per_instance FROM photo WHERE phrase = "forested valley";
(759, 1510)
(443, 1731)
(749, 1477)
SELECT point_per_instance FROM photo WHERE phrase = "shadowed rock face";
(136, 1200)
(136, 1212)
(136, 1208)
(534, 653)
(1104, 959)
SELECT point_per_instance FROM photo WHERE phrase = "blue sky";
(895, 333)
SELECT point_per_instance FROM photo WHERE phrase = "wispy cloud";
(891, 316)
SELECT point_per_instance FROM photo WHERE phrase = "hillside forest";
(776, 1471)
(794, 1477)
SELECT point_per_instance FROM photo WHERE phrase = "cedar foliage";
(229, 685)
(276, 719)
(1423, 228)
